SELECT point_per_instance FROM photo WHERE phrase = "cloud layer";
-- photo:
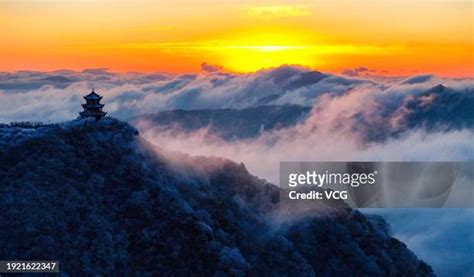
(373, 118)
(354, 116)
(56, 96)
(442, 237)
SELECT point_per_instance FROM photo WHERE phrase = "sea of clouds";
(353, 117)
(356, 116)
(56, 96)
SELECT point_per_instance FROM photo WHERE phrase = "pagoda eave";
(99, 106)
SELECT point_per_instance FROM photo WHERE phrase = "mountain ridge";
(89, 194)
(229, 124)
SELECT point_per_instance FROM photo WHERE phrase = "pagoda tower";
(93, 107)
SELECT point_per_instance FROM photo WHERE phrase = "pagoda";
(93, 107)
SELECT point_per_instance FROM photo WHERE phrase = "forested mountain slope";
(94, 196)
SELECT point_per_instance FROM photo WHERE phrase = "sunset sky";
(392, 37)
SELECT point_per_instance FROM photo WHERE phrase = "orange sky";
(398, 37)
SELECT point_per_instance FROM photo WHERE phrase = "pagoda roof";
(92, 105)
(93, 96)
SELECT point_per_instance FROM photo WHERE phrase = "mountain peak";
(438, 88)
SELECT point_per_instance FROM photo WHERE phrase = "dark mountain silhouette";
(293, 77)
(227, 123)
(439, 108)
(96, 197)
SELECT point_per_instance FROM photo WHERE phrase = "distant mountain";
(436, 109)
(290, 78)
(442, 107)
(226, 123)
(439, 108)
(99, 199)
